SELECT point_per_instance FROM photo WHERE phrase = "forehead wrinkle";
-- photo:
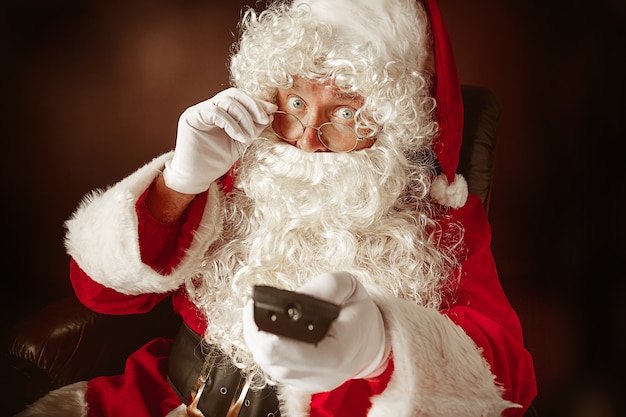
(303, 86)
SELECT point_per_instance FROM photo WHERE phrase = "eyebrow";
(353, 98)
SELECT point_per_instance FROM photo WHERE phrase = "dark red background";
(93, 89)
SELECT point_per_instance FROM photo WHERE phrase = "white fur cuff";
(102, 236)
(438, 369)
(67, 401)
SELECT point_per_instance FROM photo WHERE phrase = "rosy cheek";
(365, 144)
(293, 143)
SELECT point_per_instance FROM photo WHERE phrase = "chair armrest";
(481, 118)
(66, 342)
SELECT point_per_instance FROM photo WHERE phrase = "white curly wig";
(380, 50)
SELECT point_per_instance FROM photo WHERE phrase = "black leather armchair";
(65, 342)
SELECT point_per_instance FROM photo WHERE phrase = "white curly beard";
(296, 215)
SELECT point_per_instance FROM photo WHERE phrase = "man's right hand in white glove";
(355, 346)
(212, 136)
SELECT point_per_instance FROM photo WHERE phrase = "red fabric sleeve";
(101, 299)
(162, 246)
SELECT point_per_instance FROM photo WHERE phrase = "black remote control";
(292, 314)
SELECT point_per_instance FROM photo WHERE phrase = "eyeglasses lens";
(287, 126)
(335, 136)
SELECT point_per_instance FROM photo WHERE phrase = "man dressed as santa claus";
(315, 173)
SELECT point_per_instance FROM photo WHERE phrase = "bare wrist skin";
(165, 204)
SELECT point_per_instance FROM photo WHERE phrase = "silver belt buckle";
(235, 404)
(198, 388)
(237, 401)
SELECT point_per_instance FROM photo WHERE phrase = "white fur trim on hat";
(387, 25)
(452, 195)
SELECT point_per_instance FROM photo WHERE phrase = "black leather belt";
(206, 380)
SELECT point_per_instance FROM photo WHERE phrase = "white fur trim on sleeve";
(452, 195)
(102, 236)
(438, 369)
(67, 401)
(293, 403)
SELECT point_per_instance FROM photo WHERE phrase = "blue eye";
(345, 113)
(295, 103)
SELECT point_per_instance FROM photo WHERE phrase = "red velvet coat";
(478, 309)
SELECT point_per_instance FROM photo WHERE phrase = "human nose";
(310, 141)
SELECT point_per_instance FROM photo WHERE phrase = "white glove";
(211, 137)
(354, 347)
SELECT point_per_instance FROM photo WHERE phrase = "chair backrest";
(476, 161)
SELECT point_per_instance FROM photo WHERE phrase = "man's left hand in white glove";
(354, 347)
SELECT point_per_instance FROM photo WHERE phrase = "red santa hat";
(381, 22)
(449, 188)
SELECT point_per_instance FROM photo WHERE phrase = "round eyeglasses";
(335, 136)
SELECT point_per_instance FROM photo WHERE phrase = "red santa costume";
(420, 245)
